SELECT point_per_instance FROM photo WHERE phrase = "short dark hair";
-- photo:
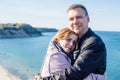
(78, 6)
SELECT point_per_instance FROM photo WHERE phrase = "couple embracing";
(75, 53)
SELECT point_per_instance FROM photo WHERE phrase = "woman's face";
(68, 44)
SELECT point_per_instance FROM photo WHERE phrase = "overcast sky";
(104, 14)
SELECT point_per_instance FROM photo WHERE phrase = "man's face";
(78, 20)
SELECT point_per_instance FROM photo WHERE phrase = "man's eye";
(70, 19)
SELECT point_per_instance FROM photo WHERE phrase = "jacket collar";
(88, 33)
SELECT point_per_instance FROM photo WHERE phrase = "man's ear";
(88, 18)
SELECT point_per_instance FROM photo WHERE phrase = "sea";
(23, 57)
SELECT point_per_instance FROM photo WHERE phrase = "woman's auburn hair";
(63, 34)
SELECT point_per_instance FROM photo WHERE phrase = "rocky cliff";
(18, 30)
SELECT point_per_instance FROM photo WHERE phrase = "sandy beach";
(5, 75)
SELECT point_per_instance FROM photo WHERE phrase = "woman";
(59, 54)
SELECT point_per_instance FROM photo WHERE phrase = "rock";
(23, 30)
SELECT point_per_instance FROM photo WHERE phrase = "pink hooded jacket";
(55, 61)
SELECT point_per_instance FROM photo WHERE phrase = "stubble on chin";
(78, 32)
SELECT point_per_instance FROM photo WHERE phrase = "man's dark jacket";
(89, 58)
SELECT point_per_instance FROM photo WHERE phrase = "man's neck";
(81, 34)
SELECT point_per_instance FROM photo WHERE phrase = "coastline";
(5, 75)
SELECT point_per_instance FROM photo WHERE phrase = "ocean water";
(23, 56)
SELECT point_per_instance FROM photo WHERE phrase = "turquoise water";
(111, 40)
(24, 56)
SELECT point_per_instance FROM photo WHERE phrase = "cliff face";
(18, 30)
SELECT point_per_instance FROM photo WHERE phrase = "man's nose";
(75, 20)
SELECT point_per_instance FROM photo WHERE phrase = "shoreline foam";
(5, 75)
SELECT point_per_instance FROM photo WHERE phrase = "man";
(90, 57)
